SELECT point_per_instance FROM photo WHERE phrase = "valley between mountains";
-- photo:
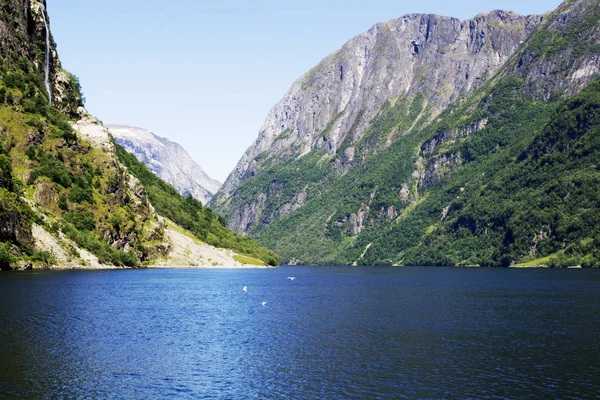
(427, 140)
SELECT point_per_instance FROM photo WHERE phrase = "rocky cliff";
(168, 160)
(401, 147)
(332, 105)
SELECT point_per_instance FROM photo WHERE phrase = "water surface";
(333, 333)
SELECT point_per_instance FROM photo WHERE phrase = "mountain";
(168, 160)
(69, 196)
(433, 141)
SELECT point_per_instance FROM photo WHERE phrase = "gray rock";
(441, 57)
(168, 160)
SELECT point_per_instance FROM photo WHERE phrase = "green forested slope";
(191, 215)
(528, 187)
(538, 196)
(43, 159)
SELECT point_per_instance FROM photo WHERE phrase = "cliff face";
(401, 147)
(564, 56)
(168, 160)
(440, 57)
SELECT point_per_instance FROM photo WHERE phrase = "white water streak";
(47, 73)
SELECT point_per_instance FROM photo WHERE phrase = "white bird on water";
(244, 289)
(291, 278)
(263, 303)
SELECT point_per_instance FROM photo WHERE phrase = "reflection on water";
(332, 333)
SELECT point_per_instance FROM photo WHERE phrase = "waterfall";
(47, 74)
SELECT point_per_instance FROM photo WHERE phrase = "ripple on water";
(334, 333)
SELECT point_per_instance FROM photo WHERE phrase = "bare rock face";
(92, 130)
(359, 220)
(168, 160)
(45, 194)
(441, 57)
(250, 214)
(439, 168)
(568, 65)
(22, 20)
(13, 228)
(64, 90)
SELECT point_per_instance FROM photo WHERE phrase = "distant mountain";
(168, 160)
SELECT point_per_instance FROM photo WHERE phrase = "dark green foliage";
(53, 169)
(73, 96)
(35, 105)
(62, 202)
(191, 215)
(15, 81)
(6, 178)
(80, 195)
(35, 123)
(44, 257)
(61, 127)
(6, 256)
(31, 153)
(13, 211)
(99, 247)
(116, 222)
(82, 220)
(82, 190)
(24, 64)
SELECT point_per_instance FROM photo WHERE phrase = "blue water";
(333, 333)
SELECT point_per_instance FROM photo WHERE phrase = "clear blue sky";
(205, 73)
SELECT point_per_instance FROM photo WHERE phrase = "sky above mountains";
(206, 73)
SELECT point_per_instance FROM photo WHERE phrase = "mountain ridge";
(168, 160)
(405, 190)
(367, 70)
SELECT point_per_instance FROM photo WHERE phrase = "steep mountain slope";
(168, 160)
(331, 106)
(442, 174)
(65, 198)
(414, 66)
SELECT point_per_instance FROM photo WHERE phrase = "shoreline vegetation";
(39, 267)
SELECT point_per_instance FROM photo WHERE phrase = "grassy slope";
(49, 161)
(190, 214)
